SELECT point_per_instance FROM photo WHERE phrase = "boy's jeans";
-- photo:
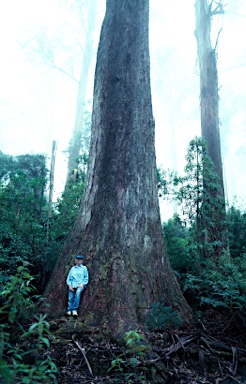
(74, 299)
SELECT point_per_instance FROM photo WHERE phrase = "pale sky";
(36, 109)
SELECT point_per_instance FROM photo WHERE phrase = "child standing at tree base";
(76, 281)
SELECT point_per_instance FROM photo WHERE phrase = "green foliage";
(236, 223)
(223, 288)
(6, 163)
(202, 202)
(177, 242)
(206, 283)
(135, 343)
(129, 365)
(23, 211)
(17, 302)
(196, 240)
(67, 206)
(162, 318)
(167, 182)
(24, 362)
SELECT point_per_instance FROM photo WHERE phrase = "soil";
(213, 350)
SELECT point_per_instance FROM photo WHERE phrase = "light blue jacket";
(78, 275)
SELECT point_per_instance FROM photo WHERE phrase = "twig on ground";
(83, 353)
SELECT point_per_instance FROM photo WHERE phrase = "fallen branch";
(175, 347)
(83, 353)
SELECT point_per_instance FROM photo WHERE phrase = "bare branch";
(217, 39)
(80, 45)
(41, 73)
(77, 39)
(211, 4)
(55, 67)
(210, 7)
(82, 21)
(65, 72)
(218, 9)
(83, 353)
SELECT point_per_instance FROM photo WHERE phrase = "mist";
(42, 51)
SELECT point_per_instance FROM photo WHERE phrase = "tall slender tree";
(51, 188)
(209, 102)
(209, 96)
(118, 227)
(70, 53)
(88, 51)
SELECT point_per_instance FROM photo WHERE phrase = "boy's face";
(79, 261)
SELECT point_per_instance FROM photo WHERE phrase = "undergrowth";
(24, 349)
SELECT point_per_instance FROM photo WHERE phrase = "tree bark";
(118, 228)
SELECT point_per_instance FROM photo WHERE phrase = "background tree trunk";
(209, 101)
(209, 96)
(51, 188)
(75, 143)
(118, 228)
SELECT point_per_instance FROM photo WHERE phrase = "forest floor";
(211, 351)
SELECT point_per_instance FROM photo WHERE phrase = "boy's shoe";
(75, 313)
(69, 313)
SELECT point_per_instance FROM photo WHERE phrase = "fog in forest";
(42, 44)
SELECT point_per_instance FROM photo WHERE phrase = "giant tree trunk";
(209, 101)
(75, 143)
(118, 228)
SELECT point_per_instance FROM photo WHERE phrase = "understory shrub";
(162, 318)
(129, 365)
(223, 288)
(23, 349)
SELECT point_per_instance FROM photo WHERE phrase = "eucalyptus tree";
(118, 227)
(209, 102)
(88, 7)
(209, 96)
(69, 49)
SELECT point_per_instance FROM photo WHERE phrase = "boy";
(77, 280)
